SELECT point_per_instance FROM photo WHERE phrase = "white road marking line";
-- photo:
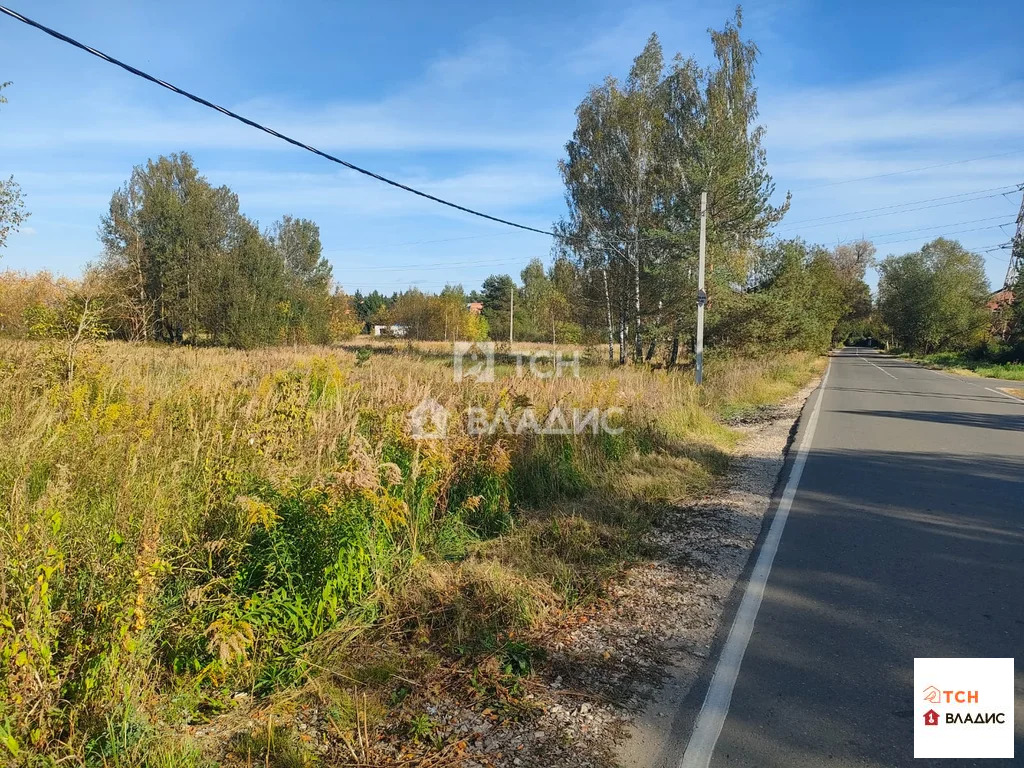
(876, 366)
(882, 370)
(1004, 394)
(962, 380)
(955, 378)
(713, 712)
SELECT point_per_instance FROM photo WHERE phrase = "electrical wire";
(911, 170)
(936, 226)
(941, 234)
(1007, 187)
(391, 182)
(253, 124)
(443, 265)
(363, 248)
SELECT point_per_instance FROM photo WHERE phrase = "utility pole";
(702, 296)
(1017, 253)
(511, 312)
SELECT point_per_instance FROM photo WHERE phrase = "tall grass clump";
(181, 526)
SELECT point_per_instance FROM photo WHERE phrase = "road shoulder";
(707, 548)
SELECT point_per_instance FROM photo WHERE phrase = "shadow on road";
(886, 556)
(975, 398)
(979, 420)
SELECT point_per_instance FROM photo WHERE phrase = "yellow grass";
(182, 524)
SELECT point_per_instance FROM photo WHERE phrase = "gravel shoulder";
(616, 676)
(707, 553)
(610, 688)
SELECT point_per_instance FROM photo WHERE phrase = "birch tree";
(12, 203)
(640, 156)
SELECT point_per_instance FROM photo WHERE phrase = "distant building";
(390, 330)
(475, 307)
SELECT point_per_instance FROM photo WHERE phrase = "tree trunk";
(608, 309)
(637, 340)
(674, 356)
(142, 319)
(623, 331)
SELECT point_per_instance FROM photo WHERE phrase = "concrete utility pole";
(702, 296)
(511, 312)
(1017, 252)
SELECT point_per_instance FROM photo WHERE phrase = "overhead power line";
(993, 247)
(383, 246)
(391, 182)
(253, 124)
(442, 265)
(936, 226)
(911, 170)
(942, 234)
(903, 206)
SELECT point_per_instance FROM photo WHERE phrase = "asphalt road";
(905, 539)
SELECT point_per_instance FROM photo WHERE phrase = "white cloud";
(493, 188)
(452, 105)
(484, 124)
(914, 119)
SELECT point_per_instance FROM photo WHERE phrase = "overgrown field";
(187, 531)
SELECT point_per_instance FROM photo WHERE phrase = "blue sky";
(474, 101)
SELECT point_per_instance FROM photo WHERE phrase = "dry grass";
(184, 525)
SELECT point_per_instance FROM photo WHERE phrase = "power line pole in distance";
(702, 295)
(1017, 252)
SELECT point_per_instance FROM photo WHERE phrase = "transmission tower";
(1017, 254)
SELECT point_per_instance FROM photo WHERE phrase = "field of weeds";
(195, 541)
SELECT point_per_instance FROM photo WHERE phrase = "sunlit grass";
(180, 525)
(962, 364)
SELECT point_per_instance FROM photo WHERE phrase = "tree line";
(642, 153)
(181, 262)
(938, 299)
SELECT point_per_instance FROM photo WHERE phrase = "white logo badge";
(429, 421)
(474, 359)
(963, 708)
